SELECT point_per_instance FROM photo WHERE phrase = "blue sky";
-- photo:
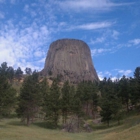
(111, 28)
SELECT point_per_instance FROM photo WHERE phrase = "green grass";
(12, 129)
(130, 130)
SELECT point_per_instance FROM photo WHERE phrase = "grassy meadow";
(13, 129)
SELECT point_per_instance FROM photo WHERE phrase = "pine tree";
(45, 91)
(124, 92)
(78, 102)
(135, 88)
(10, 74)
(137, 74)
(95, 98)
(110, 102)
(53, 103)
(111, 106)
(3, 68)
(6, 71)
(137, 82)
(29, 98)
(7, 96)
(18, 73)
(28, 71)
(65, 100)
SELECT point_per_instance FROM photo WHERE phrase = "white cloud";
(93, 26)
(62, 23)
(78, 5)
(106, 38)
(99, 51)
(114, 74)
(100, 75)
(23, 47)
(120, 72)
(26, 8)
(114, 78)
(115, 34)
(38, 53)
(108, 73)
(7, 56)
(42, 60)
(1, 15)
(135, 41)
(125, 72)
(97, 40)
(63, 26)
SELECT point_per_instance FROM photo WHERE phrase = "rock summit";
(71, 60)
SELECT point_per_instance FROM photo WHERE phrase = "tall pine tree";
(7, 96)
(29, 98)
(53, 103)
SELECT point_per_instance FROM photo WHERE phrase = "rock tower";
(71, 60)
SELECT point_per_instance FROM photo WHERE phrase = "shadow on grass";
(2, 126)
(17, 123)
(47, 125)
(42, 124)
(104, 126)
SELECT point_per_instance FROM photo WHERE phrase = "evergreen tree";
(45, 91)
(77, 104)
(106, 112)
(110, 102)
(29, 98)
(134, 96)
(65, 100)
(10, 73)
(110, 105)
(7, 96)
(137, 84)
(18, 73)
(95, 98)
(3, 68)
(134, 88)
(53, 103)
(28, 71)
(124, 92)
(6, 71)
(87, 95)
(137, 74)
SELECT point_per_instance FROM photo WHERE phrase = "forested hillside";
(66, 105)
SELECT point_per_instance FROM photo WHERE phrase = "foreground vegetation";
(67, 107)
(13, 129)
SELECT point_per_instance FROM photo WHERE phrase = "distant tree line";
(53, 101)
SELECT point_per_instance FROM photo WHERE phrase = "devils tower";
(70, 59)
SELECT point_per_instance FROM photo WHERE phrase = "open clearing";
(12, 129)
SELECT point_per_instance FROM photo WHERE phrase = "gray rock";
(71, 60)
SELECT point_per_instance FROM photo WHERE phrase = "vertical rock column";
(71, 59)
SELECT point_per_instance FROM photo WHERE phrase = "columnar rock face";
(71, 60)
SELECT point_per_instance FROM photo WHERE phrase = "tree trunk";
(87, 109)
(118, 121)
(127, 106)
(78, 123)
(108, 123)
(28, 120)
(63, 117)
